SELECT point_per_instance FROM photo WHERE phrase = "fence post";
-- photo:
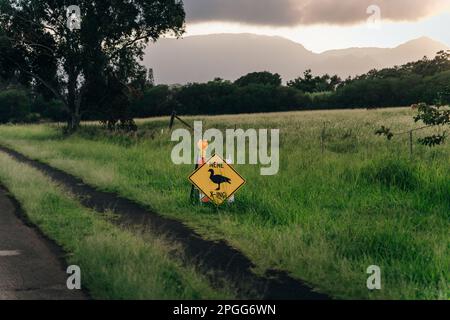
(194, 196)
(172, 119)
(322, 138)
(411, 151)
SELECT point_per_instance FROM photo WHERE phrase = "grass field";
(115, 264)
(324, 218)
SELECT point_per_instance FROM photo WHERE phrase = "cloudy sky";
(324, 24)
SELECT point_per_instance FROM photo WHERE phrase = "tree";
(75, 64)
(305, 83)
(311, 84)
(432, 116)
(154, 102)
(437, 115)
(264, 78)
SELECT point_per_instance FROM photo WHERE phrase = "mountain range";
(229, 56)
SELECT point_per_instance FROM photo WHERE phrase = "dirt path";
(216, 259)
(30, 266)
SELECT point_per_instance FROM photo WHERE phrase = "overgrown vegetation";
(115, 264)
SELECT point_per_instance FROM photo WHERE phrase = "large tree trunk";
(73, 102)
(73, 122)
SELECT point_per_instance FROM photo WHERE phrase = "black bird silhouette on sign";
(218, 179)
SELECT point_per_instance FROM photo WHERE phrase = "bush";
(32, 118)
(15, 105)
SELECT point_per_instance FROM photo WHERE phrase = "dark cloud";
(307, 12)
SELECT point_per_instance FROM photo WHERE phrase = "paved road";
(30, 268)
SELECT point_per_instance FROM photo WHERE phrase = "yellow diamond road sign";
(217, 180)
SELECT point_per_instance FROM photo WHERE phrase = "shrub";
(15, 105)
(32, 118)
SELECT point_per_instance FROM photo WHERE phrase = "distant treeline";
(405, 85)
(415, 82)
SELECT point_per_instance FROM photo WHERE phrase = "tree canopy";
(265, 78)
(76, 65)
(312, 84)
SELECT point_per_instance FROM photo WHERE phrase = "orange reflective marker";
(217, 180)
(203, 146)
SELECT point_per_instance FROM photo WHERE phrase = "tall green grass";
(324, 218)
(115, 264)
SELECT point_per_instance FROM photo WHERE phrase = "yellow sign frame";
(207, 192)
